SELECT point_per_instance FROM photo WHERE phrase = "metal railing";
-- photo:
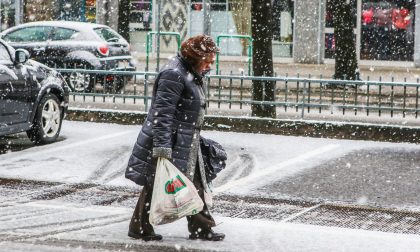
(296, 97)
(149, 43)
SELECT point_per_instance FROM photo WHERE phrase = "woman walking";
(172, 131)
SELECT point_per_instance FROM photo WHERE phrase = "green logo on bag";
(174, 185)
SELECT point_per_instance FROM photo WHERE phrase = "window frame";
(48, 34)
(53, 33)
(11, 58)
(98, 32)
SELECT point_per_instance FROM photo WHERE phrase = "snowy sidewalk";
(54, 226)
(74, 196)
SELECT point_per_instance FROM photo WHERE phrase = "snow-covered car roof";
(82, 27)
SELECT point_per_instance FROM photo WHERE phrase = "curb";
(307, 128)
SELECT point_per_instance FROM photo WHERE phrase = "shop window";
(330, 45)
(40, 10)
(71, 10)
(282, 28)
(91, 11)
(387, 30)
(219, 5)
(215, 5)
(141, 15)
(196, 5)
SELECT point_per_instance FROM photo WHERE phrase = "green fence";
(149, 42)
(295, 97)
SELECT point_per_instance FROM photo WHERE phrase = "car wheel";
(47, 122)
(81, 82)
(119, 84)
(116, 85)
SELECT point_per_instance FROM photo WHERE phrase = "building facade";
(384, 30)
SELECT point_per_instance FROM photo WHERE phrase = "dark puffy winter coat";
(171, 122)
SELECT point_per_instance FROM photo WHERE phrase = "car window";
(4, 55)
(63, 34)
(107, 34)
(29, 34)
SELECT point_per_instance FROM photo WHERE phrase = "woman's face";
(205, 66)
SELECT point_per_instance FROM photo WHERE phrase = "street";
(297, 194)
(316, 104)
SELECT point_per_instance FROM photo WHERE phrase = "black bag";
(214, 157)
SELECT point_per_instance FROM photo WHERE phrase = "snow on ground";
(98, 153)
(260, 235)
(252, 235)
(241, 234)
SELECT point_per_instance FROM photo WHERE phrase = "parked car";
(66, 44)
(33, 97)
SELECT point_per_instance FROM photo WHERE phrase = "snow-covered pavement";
(104, 228)
(92, 156)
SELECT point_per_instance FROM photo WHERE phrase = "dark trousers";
(199, 222)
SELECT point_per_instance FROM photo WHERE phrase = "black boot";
(151, 236)
(140, 227)
(208, 235)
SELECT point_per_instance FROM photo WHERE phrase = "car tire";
(115, 86)
(81, 82)
(120, 83)
(47, 121)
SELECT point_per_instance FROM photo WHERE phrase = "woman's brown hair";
(198, 48)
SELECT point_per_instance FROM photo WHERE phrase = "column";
(417, 36)
(101, 11)
(309, 38)
(19, 12)
(107, 13)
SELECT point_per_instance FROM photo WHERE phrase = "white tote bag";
(174, 195)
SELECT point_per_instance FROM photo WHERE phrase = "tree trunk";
(123, 19)
(345, 46)
(262, 57)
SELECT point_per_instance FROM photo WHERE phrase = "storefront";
(141, 15)
(283, 13)
(384, 30)
(70, 10)
(233, 17)
(90, 11)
